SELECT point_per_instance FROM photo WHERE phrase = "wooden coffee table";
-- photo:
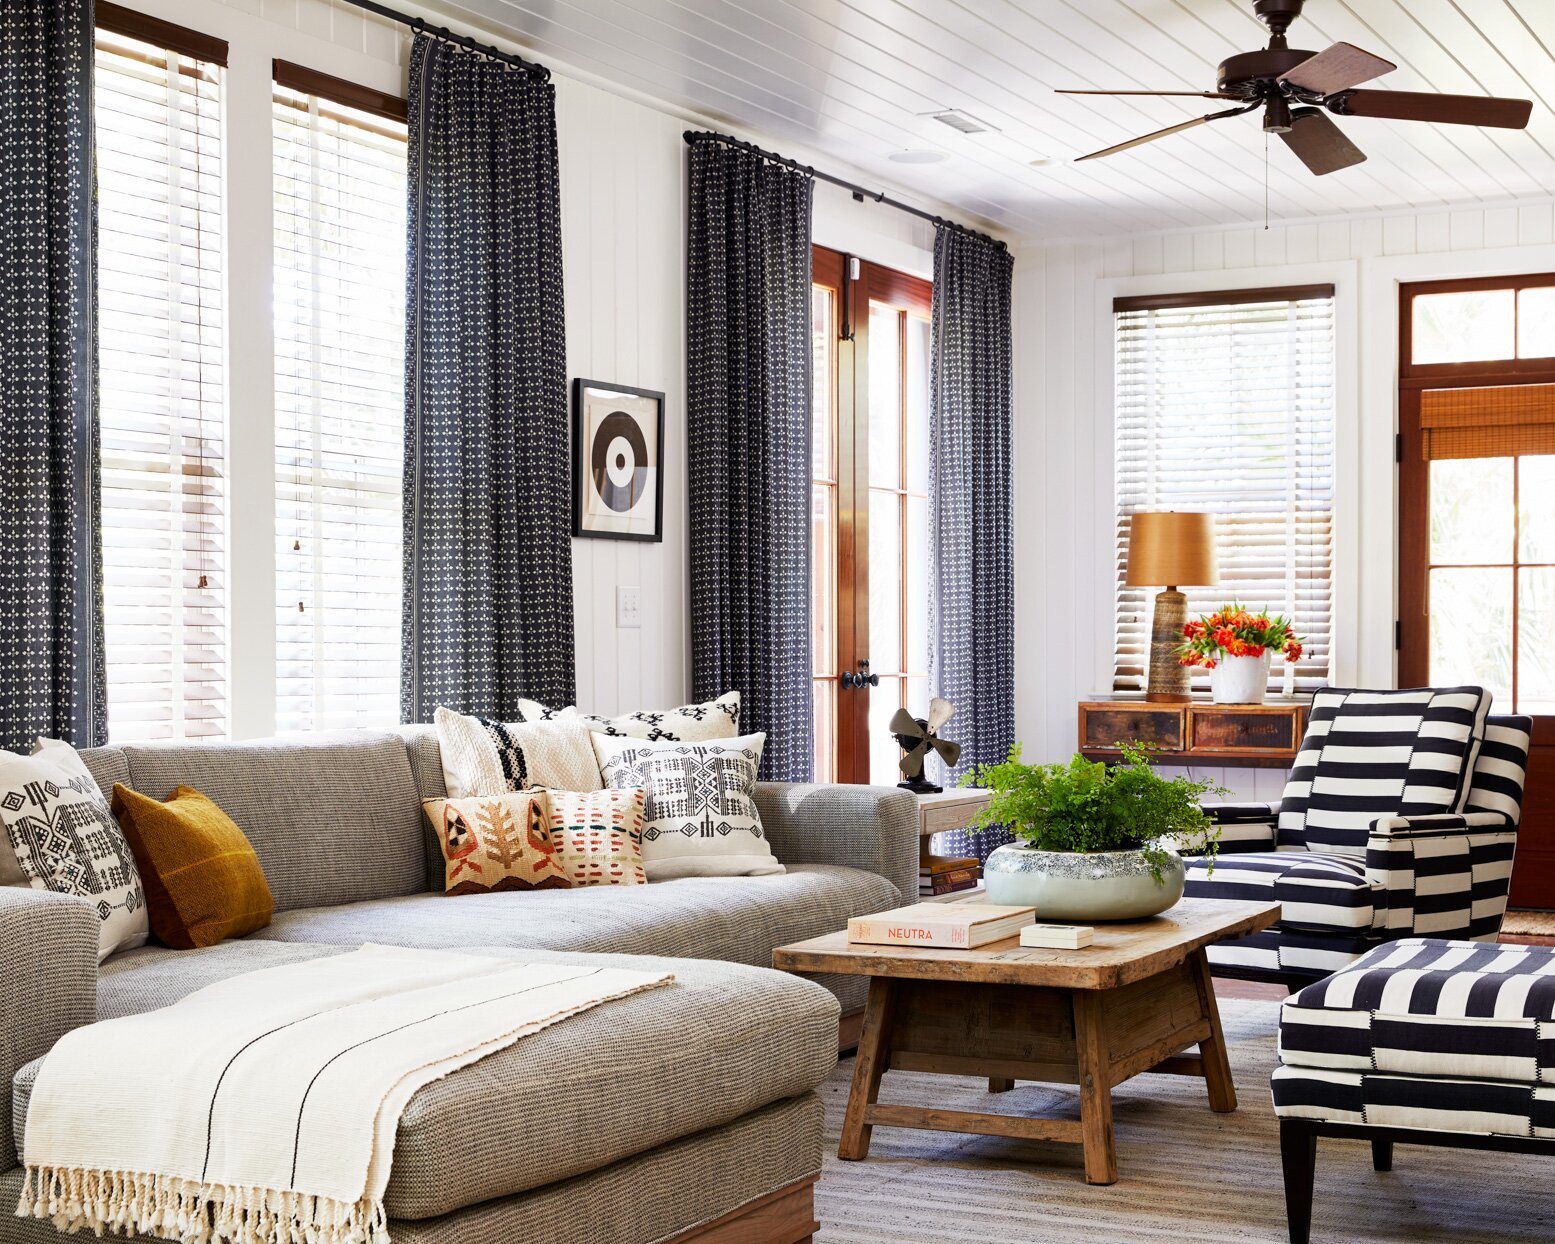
(1132, 1002)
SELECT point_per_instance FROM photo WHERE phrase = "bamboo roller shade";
(1492, 422)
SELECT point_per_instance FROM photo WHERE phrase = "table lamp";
(1172, 549)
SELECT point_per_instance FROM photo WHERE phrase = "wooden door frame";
(875, 282)
(1414, 499)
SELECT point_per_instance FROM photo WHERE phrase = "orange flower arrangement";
(1236, 632)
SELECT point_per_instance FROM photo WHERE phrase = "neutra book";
(959, 926)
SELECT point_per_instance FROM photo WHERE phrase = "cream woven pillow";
(482, 757)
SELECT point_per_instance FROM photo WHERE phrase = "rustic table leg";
(874, 1052)
(1212, 1050)
(1093, 1064)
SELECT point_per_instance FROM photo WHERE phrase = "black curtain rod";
(448, 36)
(858, 192)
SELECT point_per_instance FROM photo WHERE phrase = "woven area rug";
(1184, 1173)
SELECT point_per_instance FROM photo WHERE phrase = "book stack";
(958, 926)
(944, 874)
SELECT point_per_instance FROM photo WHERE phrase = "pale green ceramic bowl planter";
(1095, 842)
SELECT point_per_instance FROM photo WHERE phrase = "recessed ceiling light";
(917, 155)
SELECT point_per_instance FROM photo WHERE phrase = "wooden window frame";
(878, 283)
(1414, 495)
(116, 19)
(305, 81)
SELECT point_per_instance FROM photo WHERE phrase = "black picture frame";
(580, 386)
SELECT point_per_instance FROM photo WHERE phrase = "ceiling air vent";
(962, 122)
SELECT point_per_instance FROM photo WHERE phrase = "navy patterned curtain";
(748, 411)
(488, 550)
(971, 560)
(51, 632)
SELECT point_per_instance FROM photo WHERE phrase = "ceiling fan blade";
(1511, 114)
(1146, 138)
(1185, 94)
(1319, 143)
(1336, 68)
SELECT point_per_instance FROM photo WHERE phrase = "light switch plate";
(629, 607)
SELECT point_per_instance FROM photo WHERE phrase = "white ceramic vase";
(1240, 680)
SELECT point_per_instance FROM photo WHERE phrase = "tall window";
(160, 335)
(1476, 586)
(869, 508)
(340, 182)
(1225, 404)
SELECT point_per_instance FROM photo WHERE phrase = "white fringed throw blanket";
(263, 1109)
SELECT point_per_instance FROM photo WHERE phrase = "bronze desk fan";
(918, 735)
(1293, 87)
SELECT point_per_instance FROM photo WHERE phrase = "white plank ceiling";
(853, 79)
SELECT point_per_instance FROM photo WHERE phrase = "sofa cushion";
(1424, 1007)
(740, 919)
(1324, 893)
(332, 820)
(722, 1041)
(656, 1195)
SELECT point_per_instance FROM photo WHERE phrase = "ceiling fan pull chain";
(1266, 181)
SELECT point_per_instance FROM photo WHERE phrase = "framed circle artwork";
(617, 461)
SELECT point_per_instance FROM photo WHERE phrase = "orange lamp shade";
(1168, 549)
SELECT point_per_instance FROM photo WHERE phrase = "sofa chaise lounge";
(679, 1114)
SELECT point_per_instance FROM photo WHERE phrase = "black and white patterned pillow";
(56, 833)
(700, 816)
(690, 723)
(1373, 754)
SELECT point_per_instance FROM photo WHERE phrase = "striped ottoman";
(1423, 1042)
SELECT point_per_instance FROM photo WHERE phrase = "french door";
(1477, 518)
(869, 511)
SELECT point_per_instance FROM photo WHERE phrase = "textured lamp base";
(1168, 679)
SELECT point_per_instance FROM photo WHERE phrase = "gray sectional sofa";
(677, 1114)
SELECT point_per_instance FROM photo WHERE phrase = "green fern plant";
(1089, 806)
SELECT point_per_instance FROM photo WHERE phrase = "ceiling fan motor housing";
(1257, 74)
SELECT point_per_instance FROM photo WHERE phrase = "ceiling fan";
(1293, 87)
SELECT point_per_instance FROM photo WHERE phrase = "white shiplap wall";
(623, 230)
(1063, 296)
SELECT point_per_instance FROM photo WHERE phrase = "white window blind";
(340, 181)
(1226, 405)
(160, 334)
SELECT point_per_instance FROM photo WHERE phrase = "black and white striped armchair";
(1399, 820)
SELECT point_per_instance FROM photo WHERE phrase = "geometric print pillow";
(482, 757)
(492, 843)
(56, 833)
(599, 835)
(690, 723)
(1371, 754)
(701, 817)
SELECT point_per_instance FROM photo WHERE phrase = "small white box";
(1057, 936)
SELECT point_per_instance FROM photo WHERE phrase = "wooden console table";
(1198, 732)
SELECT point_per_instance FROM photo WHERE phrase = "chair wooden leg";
(1298, 1156)
(1382, 1155)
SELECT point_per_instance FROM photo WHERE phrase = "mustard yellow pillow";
(203, 881)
